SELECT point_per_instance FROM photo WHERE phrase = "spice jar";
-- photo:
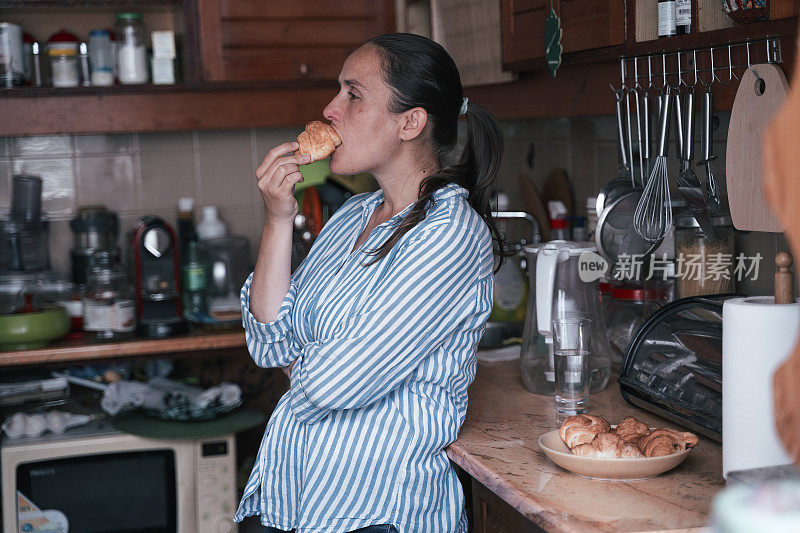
(131, 49)
(109, 309)
(62, 47)
(704, 264)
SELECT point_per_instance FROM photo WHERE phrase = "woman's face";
(360, 115)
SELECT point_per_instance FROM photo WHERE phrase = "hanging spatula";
(688, 183)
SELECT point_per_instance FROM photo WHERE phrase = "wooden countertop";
(80, 350)
(498, 447)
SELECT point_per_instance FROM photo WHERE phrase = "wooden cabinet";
(253, 40)
(523, 30)
(490, 514)
(586, 25)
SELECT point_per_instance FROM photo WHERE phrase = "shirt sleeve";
(270, 344)
(429, 291)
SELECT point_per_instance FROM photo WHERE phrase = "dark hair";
(422, 74)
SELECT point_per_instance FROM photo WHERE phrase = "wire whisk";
(652, 219)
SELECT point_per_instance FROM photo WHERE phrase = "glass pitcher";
(558, 291)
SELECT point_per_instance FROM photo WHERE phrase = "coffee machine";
(157, 266)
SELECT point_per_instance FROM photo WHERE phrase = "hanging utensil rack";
(704, 66)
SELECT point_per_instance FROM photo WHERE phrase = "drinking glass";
(571, 350)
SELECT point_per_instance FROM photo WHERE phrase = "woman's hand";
(277, 176)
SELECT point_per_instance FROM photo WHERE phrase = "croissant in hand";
(319, 140)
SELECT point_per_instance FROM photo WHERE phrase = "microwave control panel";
(216, 485)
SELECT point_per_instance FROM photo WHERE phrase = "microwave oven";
(108, 481)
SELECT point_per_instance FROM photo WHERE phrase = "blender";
(560, 289)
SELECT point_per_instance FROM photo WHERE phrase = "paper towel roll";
(757, 336)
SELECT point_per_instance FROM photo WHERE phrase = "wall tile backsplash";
(146, 173)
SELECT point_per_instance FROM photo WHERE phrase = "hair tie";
(464, 103)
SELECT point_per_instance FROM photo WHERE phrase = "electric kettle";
(563, 285)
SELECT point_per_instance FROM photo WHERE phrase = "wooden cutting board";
(750, 116)
(557, 188)
(532, 203)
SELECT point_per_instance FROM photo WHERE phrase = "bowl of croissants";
(589, 446)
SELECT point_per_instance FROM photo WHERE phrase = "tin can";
(12, 67)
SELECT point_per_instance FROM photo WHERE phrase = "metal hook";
(773, 51)
(714, 76)
(636, 87)
(679, 73)
(747, 45)
(617, 92)
(649, 75)
(697, 73)
(664, 84)
(731, 73)
(622, 73)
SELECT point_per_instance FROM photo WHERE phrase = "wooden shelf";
(152, 109)
(79, 350)
(721, 37)
(115, 4)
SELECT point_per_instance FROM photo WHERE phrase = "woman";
(378, 327)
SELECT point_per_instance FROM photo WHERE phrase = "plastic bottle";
(210, 226)
(559, 225)
(186, 228)
(510, 284)
(193, 283)
(101, 57)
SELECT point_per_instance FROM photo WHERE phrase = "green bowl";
(25, 331)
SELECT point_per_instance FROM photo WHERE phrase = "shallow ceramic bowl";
(25, 331)
(605, 467)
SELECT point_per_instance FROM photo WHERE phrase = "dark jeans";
(384, 528)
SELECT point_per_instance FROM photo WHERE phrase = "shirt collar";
(376, 198)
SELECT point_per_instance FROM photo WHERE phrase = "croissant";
(666, 442)
(319, 140)
(631, 431)
(581, 429)
(605, 444)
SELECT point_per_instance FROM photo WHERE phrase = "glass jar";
(109, 307)
(131, 49)
(704, 265)
(62, 48)
(628, 308)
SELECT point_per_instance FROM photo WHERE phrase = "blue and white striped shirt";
(384, 355)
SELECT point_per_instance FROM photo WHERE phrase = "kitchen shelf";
(116, 4)
(736, 34)
(151, 108)
(79, 350)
